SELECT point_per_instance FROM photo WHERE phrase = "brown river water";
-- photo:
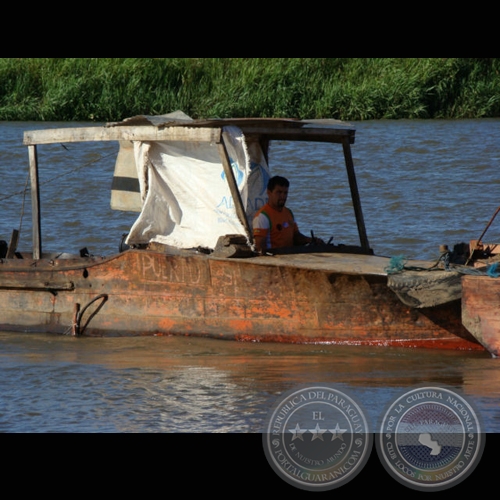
(422, 184)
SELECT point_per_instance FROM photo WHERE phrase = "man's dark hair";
(277, 181)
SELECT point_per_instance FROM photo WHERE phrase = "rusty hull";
(481, 310)
(276, 299)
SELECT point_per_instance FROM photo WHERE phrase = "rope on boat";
(397, 264)
(492, 270)
(76, 328)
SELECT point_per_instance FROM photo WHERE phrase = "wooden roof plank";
(139, 133)
(210, 132)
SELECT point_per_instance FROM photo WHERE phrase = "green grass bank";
(110, 89)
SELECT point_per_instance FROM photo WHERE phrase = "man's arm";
(302, 239)
(261, 227)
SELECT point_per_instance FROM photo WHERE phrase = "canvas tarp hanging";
(186, 198)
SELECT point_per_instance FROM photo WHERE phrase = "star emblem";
(317, 433)
(297, 433)
(337, 432)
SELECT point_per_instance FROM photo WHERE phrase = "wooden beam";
(302, 134)
(233, 186)
(355, 195)
(200, 134)
(138, 133)
(35, 203)
(30, 283)
(14, 240)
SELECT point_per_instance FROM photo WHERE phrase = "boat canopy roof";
(179, 126)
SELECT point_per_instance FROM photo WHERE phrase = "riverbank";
(110, 89)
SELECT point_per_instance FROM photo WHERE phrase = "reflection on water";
(180, 384)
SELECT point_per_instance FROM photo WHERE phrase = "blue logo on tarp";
(239, 175)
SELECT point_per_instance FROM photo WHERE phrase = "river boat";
(188, 265)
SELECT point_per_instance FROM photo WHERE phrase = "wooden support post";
(14, 240)
(35, 202)
(355, 195)
(233, 186)
(75, 327)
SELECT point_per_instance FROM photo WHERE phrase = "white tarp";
(187, 202)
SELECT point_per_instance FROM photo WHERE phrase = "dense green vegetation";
(110, 89)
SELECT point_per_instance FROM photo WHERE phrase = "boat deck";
(336, 262)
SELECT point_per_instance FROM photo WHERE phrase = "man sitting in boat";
(274, 225)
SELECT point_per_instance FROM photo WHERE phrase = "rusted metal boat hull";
(481, 310)
(259, 299)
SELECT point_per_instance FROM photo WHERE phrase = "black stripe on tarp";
(126, 184)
